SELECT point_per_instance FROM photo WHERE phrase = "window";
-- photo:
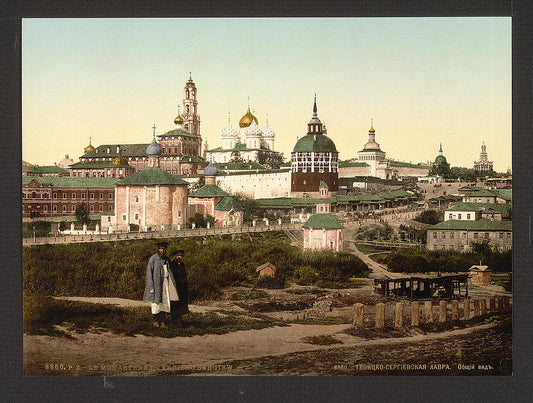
(110, 196)
(92, 208)
(91, 196)
(508, 235)
(136, 199)
(459, 216)
(486, 235)
(501, 234)
(452, 235)
(468, 216)
(434, 235)
(73, 196)
(55, 195)
(83, 196)
(123, 217)
(73, 209)
(101, 196)
(64, 208)
(475, 235)
(101, 208)
(108, 219)
(55, 208)
(64, 196)
(136, 216)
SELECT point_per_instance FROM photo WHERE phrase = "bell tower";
(191, 119)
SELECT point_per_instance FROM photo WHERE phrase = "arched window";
(187, 94)
(187, 109)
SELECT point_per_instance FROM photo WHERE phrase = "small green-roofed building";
(325, 220)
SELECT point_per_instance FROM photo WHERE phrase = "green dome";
(441, 159)
(315, 143)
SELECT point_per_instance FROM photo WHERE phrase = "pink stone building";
(323, 230)
(151, 198)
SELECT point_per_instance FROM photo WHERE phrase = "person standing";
(181, 306)
(160, 287)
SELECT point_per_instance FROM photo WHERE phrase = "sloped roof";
(127, 150)
(239, 165)
(345, 164)
(209, 191)
(68, 182)
(228, 203)
(479, 225)
(482, 193)
(72, 218)
(265, 265)
(504, 209)
(95, 164)
(45, 169)
(177, 133)
(152, 176)
(323, 220)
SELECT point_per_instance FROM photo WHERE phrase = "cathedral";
(248, 144)
(483, 164)
(181, 147)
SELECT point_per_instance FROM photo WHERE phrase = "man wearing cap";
(180, 307)
(160, 285)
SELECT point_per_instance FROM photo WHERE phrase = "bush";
(118, 269)
(430, 217)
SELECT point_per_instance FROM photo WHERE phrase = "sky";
(423, 81)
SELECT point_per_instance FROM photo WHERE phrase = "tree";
(195, 186)
(431, 217)
(251, 209)
(82, 215)
(200, 221)
(270, 159)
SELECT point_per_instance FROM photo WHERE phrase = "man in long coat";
(180, 307)
(160, 286)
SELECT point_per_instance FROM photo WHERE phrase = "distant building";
(50, 196)
(483, 164)
(460, 234)
(48, 170)
(314, 159)
(323, 230)
(116, 168)
(250, 144)
(181, 147)
(65, 162)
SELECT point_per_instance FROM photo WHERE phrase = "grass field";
(43, 314)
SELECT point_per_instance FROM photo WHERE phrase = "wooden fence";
(470, 308)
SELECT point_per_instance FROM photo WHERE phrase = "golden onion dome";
(89, 148)
(178, 120)
(247, 119)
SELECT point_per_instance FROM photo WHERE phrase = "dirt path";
(109, 354)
